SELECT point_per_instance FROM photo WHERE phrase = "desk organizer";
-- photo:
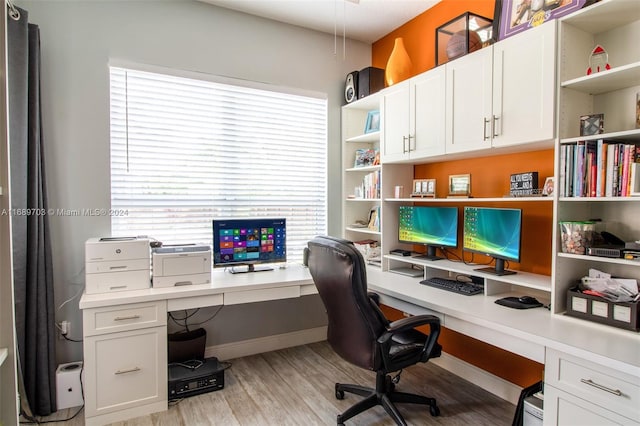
(593, 308)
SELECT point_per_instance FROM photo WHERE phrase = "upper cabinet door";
(395, 123)
(428, 114)
(468, 94)
(524, 86)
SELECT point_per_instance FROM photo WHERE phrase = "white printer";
(117, 264)
(181, 265)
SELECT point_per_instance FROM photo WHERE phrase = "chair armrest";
(407, 324)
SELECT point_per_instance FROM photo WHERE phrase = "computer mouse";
(527, 300)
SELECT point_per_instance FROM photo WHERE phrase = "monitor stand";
(250, 268)
(498, 270)
(430, 255)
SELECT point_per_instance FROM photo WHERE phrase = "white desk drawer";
(614, 390)
(125, 370)
(261, 295)
(131, 316)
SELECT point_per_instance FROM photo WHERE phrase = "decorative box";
(464, 34)
(593, 308)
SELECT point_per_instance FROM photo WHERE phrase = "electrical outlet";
(64, 327)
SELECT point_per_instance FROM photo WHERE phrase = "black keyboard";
(454, 286)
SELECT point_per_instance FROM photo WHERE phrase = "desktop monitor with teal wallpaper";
(495, 232)
(435, 227)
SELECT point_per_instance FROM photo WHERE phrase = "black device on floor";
(455, 286)
(522, 302)
(195, 377)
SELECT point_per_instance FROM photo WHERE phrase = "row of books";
(370, 187)
(599, 168)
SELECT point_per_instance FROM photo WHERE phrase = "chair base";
(384, 395)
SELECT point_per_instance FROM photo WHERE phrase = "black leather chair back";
(339, 273)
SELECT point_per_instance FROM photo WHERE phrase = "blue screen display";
(249, 241)
(434, 226)
(493, 231)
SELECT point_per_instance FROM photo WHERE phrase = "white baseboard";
(266, 344)
(487, 381)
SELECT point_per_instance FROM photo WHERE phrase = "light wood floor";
(295, 386)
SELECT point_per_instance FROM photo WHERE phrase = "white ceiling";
(364, 20)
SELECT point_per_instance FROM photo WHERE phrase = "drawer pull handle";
(598, 386)
(131, 370)
(126, 318)
(115, 287)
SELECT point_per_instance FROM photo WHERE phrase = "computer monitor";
(495, 232)
(435, 227)
(249, 242)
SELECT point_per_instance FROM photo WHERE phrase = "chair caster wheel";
(339, 395)
(434, 410)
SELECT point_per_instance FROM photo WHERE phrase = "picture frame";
(549, 187)
(424, 188)
(592, 124)
(460, 185)
(373, 122)
(515, 16)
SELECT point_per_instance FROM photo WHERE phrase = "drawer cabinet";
(125, 361)
(577, 390)
(128, 369)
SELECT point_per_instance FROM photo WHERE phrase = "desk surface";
(603, 344)
(221, 282)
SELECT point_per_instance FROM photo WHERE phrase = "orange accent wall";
(419, 34)
(506, 365)
(490, 178)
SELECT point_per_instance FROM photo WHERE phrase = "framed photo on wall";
(514, 16)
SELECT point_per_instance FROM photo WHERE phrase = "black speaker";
(351, 87)
(370, 80)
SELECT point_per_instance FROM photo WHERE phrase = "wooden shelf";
(365, 138)
(371, 102)
(471, 200)
(363, 169)
(362, 230)
(600, 199)
(625, 135)
(606, 81)
(600, 259)
(603, 16)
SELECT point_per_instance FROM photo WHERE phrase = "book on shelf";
(597, 168)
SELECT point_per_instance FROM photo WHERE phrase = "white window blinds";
(185, 151)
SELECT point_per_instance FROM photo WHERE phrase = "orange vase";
(399, 66)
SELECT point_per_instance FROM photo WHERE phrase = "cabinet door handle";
(485, 121)
(493, 125)
(590, 382)
(414, 143)
(131, 370)
(404, 149)
(130, 317)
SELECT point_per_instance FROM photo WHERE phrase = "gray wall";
(78, 40)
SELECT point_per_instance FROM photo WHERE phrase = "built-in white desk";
(125, 335)
(592, 371)
(125, 341)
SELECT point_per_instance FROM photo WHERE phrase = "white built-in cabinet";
(576, 391)
(503, 95)
(413, 118)
(125, 361)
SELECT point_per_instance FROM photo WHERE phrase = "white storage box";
(116, 264)
(181, 265)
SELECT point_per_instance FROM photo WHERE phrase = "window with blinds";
(185, 151)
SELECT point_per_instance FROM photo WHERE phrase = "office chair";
(359, 332)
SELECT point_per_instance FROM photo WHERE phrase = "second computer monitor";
(495, 232)
(435, 227)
